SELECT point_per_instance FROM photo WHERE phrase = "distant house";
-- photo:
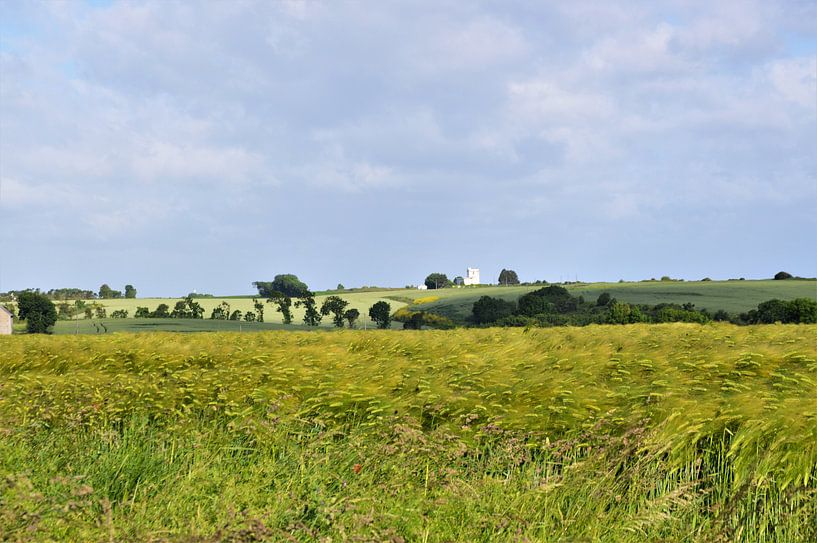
(422, 287)
(6, 320)
(471, 277)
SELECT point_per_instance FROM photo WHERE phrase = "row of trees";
(554, 305)
(335, 306)
(61, 294)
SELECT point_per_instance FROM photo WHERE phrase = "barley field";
(634, 433)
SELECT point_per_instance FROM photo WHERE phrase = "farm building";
(6, 319)
(471, 277)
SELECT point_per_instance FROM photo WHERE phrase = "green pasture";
(731, 296)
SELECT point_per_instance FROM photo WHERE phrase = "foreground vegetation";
(639, 433)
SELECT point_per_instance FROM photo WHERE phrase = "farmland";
(631, 433)
(454, 303)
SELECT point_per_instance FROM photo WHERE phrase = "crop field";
(604, 433)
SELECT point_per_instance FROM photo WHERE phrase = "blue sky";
(205, 145)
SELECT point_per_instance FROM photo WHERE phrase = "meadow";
(604, 433)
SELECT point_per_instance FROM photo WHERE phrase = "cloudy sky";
(205, 145)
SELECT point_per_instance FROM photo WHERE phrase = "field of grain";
(603, 433)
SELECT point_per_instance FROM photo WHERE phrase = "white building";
(422, 287)
(471, 276)
(6, 321)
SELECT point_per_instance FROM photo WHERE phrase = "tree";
(604, 299)
(772, 311)
(105, 291)
(38, 312)
(141, 313)
(550, 299)
(312, 317)
(249, 316)
(286, 283)
(508, 277)
(340, 287)
(380, 313)
(336, 306)
(621, 313)
(436, 281)
(162, 312)
(487, 310)
(284, 304)
(351, 316)
(120, 314)
(130, 292)
(259, 307)
(783, 275)
(235, 315)
(221, 312)
(801, 311)
(187, 308)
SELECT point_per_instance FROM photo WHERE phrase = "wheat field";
(603, 433)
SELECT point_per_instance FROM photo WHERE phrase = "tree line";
(555, 306)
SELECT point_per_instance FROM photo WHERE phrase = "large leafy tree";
(336, 306)
(130, 291)
(285, 283)
(436, 280)
(487, 310)
(38, 312)
(551, 299)
(380, 313)
(284, 304)
(508, 277)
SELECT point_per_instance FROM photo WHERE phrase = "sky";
(182, 146)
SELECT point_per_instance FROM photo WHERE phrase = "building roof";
(4, 310)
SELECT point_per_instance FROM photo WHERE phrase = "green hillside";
(731, 296)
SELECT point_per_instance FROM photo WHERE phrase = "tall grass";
(638, 433)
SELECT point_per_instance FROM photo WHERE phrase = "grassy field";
(732, 296)
(603, 433)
